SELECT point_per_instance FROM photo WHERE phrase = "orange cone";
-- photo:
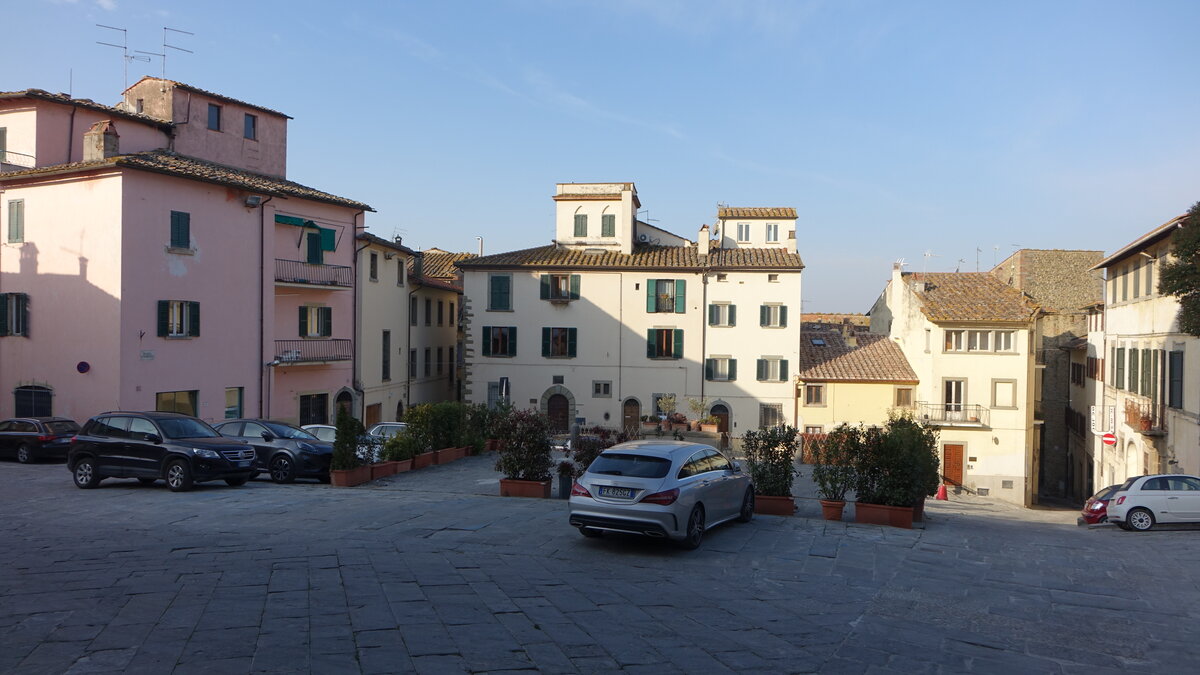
(941, 493)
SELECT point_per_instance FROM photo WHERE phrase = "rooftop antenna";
(648, 218)
(995, 250)
(126, 57)
(977, 252)
(958, 267)
(167, 45)
(928, 254)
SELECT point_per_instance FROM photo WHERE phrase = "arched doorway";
(558, 410)
(344, 401)
(721, 412)
(631, 415)
(400, 411)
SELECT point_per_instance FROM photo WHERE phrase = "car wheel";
(236, 482)
(283, 469)
(1140, 519)
(695, 529)
(25, 454)
(747, 512)
(590, 533)
(179, 476)
(147, 481)
(85, 474)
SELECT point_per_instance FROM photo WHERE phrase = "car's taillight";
(665, 498)
(578, 490)
(1121, 499)
(44, 438)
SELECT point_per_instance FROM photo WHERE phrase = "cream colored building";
(383, 328)
(434, 308)
(614, 314)
(851, 378)
(967, 336)
(1151, 394)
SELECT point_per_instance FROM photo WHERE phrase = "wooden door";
(558, 409)
(722, 414)
(374, 414)
(952, 464)
(631, 415)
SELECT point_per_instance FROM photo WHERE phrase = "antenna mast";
(165, 46)
(126, 57)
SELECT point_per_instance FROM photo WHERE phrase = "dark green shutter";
(680, 296)
(23, 312)
(783, 368)
(580, 225)
(181, 229)
(545, 285)
(708, 368)
(1175, 380)
(608, 225)
(545, 341)
(651, 344)
(732, 369)
(764, 315)
(677, 353)
(1134, 379)
(164, 317)
(16, 220)
(303, 321)
(328, 239)
(712, 315)
(487, 340)
(1146, 356)
(762, 369)
(571, 342)
(783, 316)
(4, 314)
(500, 292)
(315, 255)
(574, 281)
(512, 341)
(193, 319)
(326, 316)
(1120, 372)
(732, 316)
(651, 298)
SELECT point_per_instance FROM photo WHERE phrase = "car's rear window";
(1127, 484)
(62, 427)
(1106, 492)
(625, 464)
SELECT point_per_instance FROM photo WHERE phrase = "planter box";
(649, 426)
(350, 477)
(524, 488)
(774, 506)
(382, 469)
(403, 466)
(445, 455)
(710, 428)
(423, 460)
(831, 510)
(878, 514)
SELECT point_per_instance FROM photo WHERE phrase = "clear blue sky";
(894, 128)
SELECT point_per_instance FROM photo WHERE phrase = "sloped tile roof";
(1152, 237)
(969, 296)
(203, 92)
(643, 257)
(875, 359)
(162, 161)
(42, 95)
(440, 264)
(756, 212)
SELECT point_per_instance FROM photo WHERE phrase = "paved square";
(427, 572)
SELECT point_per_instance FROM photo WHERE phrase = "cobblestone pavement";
(428, 572)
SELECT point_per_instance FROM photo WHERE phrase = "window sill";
(179, 337)
(664, 358)
(558, 358)
(499, 356)
(315, 337)
(498, 310)
(180, 251)
(560, 301)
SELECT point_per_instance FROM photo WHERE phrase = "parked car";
(369, 446)
(28, 439)
(1095, 509)
(670, 489)
(1141, 502)
(323, 432)
(148, 446)
(386, 430)
(284, 451)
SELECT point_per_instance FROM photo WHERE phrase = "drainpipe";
(354, 383)
(703, 326)
(71, 135)
(262, 301)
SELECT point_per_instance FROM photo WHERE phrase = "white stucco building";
(615, 313)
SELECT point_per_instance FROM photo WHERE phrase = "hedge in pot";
(345, 462)
(833, 468)
(401, 448)
(895, 470)
(771, 459)
(525, 458)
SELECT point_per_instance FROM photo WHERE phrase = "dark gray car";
(284, 451)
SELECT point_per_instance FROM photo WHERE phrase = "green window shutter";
(4, 314)
(571, 342)
(194, 319)
(732, 369)
(651, 344)
(783, 370)
(326, 316)
(762, 369)
(487, 340)
(608, 225)
(303, 321)
(181, 229)
(574, 280)
(708, 369)
(328, 239)
(512, 341)
(651, 299)
(16, 220)
(545, 285)
(764, 315)
(164, 317)
(315, 255)
(1175, 379)
(23, 312)
(783, 316)
(677, 353)
(580, 225)
(500, 292)
(732, 317)
(680, 296)
(712, 315)
(545, 341)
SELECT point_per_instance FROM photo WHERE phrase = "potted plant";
(649, 423)
(566, 477)
(344, 464)
(896, 468)
(699, 408)
(833, 469)
(525, 458)
(771, 459)
(710, 424)
(666, 406)
(400, 450)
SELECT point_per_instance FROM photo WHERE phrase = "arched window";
(32, 401)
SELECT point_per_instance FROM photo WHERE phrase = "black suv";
(151, 445)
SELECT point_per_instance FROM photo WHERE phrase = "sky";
(944, 134)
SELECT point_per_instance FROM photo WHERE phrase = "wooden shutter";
(303, 321)
(545, 286)
(680, 296)
(325, 314)
(651, 344)
(1175, 380)
(783, 316)
(22, 302)
(315, 255)
(574, 283)
(1146, 372)
(164, 317)
(709, 364)
(4, 314)
(733, 315)
(608, 225)
(181, 235)
(783, 370)
(651, 297)
(762, 369)
(712, 315)
(571, 342)
(487, 340)
(764, 315)
(328, 239)
(193, 319)
(512, 340)
(677, 352)
(732, 369)
(580, 224)
(545, 341)
(16, 220)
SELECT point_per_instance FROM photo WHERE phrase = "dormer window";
(214, 117)
(743, 232)
(772, 232)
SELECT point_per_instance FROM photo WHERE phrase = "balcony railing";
(954, 414)
(312, 351)
(1147, 418)
(297, 272)
(15, 161)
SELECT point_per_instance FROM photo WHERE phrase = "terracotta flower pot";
(774, 506)
(649, 426)
(878, 514)
(710, 428)
(382, 469)
(403, 465)
(510, 487)
(362, 474)
(832, 510)
(340, 477)
(423, 460)
(445, 455)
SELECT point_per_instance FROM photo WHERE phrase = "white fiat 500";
(660, 489)
(1145, 500)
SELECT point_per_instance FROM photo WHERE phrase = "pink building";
(153, 255)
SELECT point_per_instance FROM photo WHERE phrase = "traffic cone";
(941, 493)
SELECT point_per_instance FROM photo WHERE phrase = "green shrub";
(897, 465)
(345, 443)
(833, 461)
(525, 454)
(771, 458)
(400, 447)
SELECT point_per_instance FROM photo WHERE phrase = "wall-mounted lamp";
(389, 256)
(253, 200)
(272, 364)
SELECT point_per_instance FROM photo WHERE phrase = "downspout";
(703, 326)
(408, 344)
(354, 383)
(262, 302)
(71, 135)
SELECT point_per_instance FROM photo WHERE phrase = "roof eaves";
(1153, 236)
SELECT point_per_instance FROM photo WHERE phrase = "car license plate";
(621, 492)
(243, 463)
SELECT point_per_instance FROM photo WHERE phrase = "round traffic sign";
(1109, 439)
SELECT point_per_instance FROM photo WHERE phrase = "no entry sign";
(1109, 439)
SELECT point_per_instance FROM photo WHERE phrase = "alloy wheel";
(175, 476)
(24, 456)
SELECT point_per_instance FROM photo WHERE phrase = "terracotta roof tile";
(969, 296)
(875, 359)
(440, 264)
(89, 104)
(756, 212)
(643, 257)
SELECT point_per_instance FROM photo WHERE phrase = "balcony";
(16, 161)
(954, 414)
(1149, 419)
(308, 274)
(307, 352)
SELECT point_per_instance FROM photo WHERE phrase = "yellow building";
(854, 379)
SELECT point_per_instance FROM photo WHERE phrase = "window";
(412, 363)
(386, 362)
(904, 397)
(14, 314)
(428, 311)
(399, 271)
(233, 402)
(721, 276)
(315, 248)
(720, 369)
(608, 225)
(428, 362)
(772, 232)
(140, 106)
(214, 117)
(1077, 370)
(440, 363)
(441, 315)
(314, 409)
(450, 359)
(770, 415)
(1004, 340)
(601, 388)
(412, 310)
(666, 296)
(499, 340)
(743, 232)
(558, 343)
(1004, 393)
(772, 369)
(814, 394)
(451, 317)
(181, 230)
(178, 318)
(928, 339)
(1175, 380)
(500, 292)
(580, 224)
(773, 278)
(978, 340)
(954, 341)
(814, 429)
(251, 127)
(772, 316)
(32, 401)
(954, 394)
(560, 287)
(316, 321)
(16, 221)
(183, 402)
(373, 272)
(664, 343)
(722, 314)
(1124, 283)
(1150, 275)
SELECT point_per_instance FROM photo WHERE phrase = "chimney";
(419, 265)
(702, 241)
(100, 141)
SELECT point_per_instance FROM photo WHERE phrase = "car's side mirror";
(737, 467)
(154, 438)
(267, 436)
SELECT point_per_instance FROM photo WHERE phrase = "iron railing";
(17, 159)
(954, 414)
(1147, 418)
(297, 272)
(312, 351)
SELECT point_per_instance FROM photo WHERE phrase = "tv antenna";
(928, 254)
(165, 46)
(126, 57)
(958, 267)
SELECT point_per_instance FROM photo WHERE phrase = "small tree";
(667, 404)
(771, 456)
(1180, 277)
(833, 461)
(526, 452)
(698, 406)
(898, 464)
(345, 442)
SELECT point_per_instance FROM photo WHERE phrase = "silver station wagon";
(670, 489)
